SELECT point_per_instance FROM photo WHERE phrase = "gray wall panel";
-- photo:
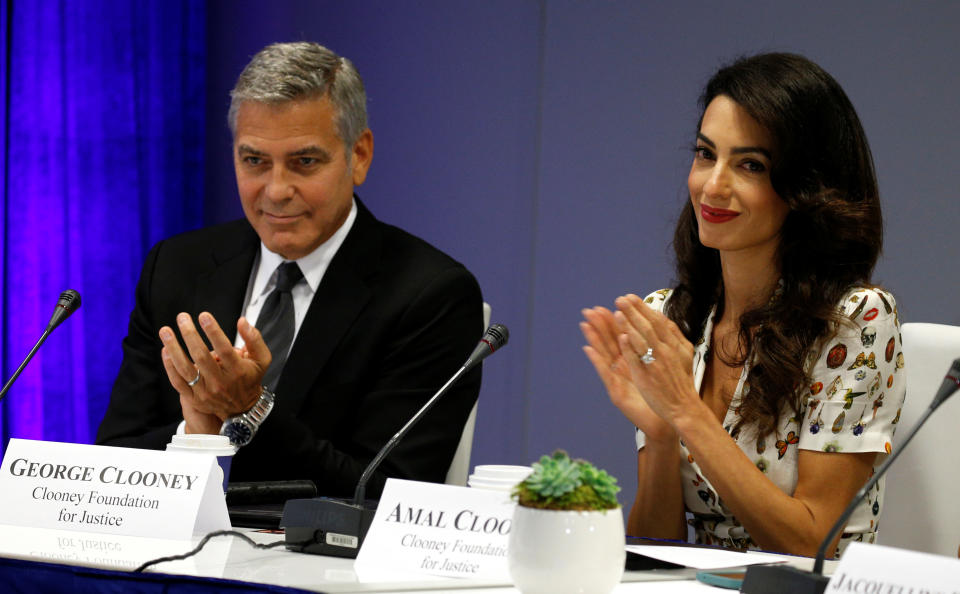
(546, 144)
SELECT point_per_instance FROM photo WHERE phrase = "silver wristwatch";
(241, 428)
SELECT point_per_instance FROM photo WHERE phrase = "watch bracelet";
(262, 407)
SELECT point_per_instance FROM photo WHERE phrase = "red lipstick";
(717, 215)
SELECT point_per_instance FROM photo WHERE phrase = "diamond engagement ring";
(196, 380)
(646, 358)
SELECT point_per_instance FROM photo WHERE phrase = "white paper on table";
(701, 558)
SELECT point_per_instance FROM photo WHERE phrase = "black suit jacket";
(392, 319)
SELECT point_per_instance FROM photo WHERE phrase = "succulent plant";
(560, 483)
(554, 476)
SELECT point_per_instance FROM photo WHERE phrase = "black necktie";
(276, 321)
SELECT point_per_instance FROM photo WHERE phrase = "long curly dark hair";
(830, 240)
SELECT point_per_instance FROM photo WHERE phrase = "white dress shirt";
(263, 278)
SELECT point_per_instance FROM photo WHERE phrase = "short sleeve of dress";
(858, 382)
(657, 302)
(658, 299)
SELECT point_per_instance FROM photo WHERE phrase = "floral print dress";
(852, 404)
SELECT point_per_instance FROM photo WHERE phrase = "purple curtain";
(102, 127)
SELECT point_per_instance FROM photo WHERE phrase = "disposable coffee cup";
(502, 471)
(208, 445)
(498, 477)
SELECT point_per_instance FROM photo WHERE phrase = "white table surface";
(231, 558)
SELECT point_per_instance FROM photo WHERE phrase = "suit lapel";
(341, 296)
(223, 290)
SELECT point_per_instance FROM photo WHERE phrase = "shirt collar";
(314, 265)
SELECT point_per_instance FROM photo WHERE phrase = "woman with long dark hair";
(766, 384)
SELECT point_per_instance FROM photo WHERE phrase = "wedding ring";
(195, 380)
(646, 358)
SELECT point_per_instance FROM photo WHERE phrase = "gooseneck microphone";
(495, 337)
(337, 527)
(790, 580)
(68, 303)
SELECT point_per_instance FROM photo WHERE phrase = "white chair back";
(460, 467)
(920, 510)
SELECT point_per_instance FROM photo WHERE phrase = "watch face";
(239, 432)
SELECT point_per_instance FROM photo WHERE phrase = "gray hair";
(284, 72)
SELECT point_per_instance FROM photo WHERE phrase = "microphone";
(951, 383)
(337, 527)
(495, 337)
(790, 580)
(68, 303)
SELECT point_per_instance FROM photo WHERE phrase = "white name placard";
(874, 568)
(426, 528)
(110, 490)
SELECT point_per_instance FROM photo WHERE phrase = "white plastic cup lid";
(496, 480)
(502, 471)
(218, 445)
(479, 484)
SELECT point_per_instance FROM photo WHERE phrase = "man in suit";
(344, 326)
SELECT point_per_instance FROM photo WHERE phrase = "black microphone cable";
(210, 536)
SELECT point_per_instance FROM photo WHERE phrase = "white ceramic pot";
(566, 552)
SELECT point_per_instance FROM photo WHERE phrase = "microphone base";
(334, 527)
(260, 492)
(762, 579)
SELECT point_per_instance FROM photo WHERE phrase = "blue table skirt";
(32, 577)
